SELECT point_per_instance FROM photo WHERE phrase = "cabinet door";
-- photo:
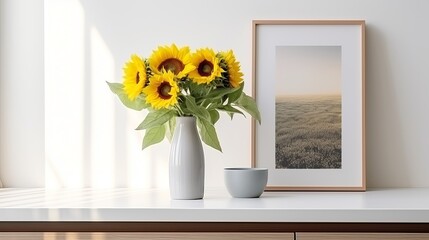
(362, 236)
(142, 236)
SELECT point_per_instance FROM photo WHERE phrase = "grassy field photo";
(308, 132)
(308, 107)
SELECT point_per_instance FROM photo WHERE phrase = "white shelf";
(407, 205)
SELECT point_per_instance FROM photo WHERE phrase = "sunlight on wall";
(144, 169)
(148, 168)
(101, 114)
(90, 136)
(64, 93)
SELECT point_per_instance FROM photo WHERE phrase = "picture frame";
(309, 84)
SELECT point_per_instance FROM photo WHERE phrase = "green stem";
(179, 110)
(204, 101)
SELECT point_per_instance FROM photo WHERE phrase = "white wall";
(89, 135)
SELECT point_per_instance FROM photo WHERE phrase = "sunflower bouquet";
(176, 82)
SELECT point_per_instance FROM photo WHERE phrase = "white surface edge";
(126, 205)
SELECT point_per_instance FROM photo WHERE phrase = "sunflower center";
(205, 68)
(172, 64)
(164, 90)
(137, 78)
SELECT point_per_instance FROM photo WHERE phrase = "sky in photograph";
(308, 70)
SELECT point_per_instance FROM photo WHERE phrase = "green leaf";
(214, 104)
(197, 90)
(208, 134)
(219, 93)
(231, 109)
(156, 119)
(116, 88)
(138, 104)
(234, 96)
(170, 126)
(214, 116)
(196, 110)
(153, 135)
(248, 104)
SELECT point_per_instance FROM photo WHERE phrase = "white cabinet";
(107, 214)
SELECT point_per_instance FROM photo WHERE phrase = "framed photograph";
(309, 84)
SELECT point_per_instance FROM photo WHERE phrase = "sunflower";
(162, 90)
(207, 66)
(233, 73)
(178, 61)
(134, 77)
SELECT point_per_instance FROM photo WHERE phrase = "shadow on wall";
(385, 162)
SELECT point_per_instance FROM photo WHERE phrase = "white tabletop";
(406, 205)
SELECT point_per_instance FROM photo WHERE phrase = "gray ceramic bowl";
(246, 182)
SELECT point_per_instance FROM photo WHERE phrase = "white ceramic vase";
(186, 161)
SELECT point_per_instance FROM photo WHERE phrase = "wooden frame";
(277, 43)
